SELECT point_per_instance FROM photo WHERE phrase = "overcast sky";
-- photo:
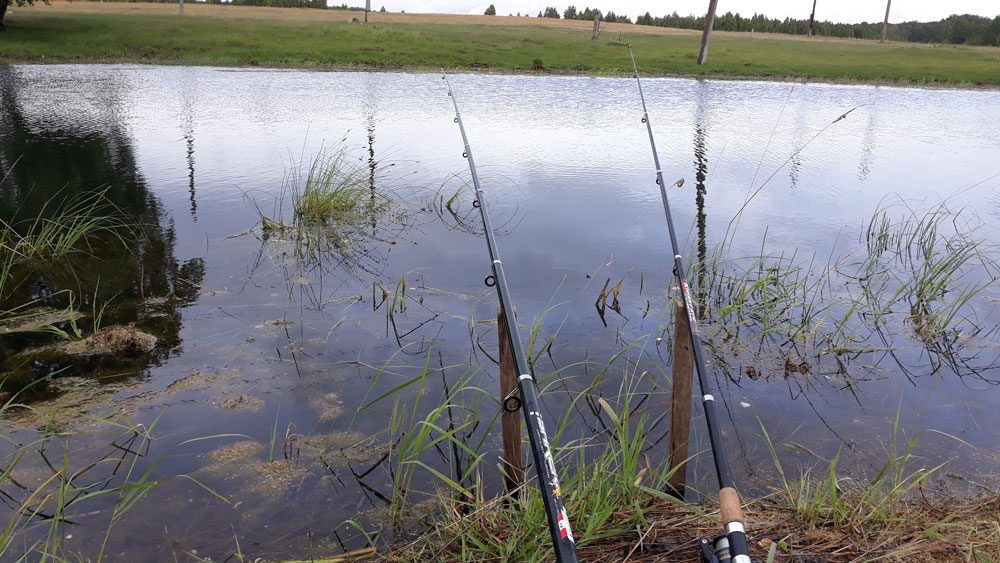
(853, 11)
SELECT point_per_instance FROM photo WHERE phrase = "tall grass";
(842, 501)
(607, 482)
(254, 37)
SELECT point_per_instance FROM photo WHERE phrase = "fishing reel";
(719, 551)
(716, 551)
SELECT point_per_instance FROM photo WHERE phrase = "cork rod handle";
(729, 506)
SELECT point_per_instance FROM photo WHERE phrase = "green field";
(238, 36)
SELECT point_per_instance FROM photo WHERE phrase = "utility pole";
(707, 35)
(885, 24)
(812, 19)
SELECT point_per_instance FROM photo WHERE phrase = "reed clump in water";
(334, 186)
(917, 272)
(330, 194)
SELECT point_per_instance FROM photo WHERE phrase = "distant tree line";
(321, 4)
(958, 29)
(587, 14)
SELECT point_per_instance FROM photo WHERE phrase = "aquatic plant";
(333, 189)
(75, 484)
(922, 268)
(333, 186)
(60, 227)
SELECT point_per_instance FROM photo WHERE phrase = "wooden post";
(597, 25)
(680, 402)
(707, 34)
(182, 7)
(812, 18)
(368, 8)
(512, 460)
(885, 23)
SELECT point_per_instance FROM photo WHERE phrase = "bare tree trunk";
(597, 25)
(885, 24)
(812, 19)
(706, 36)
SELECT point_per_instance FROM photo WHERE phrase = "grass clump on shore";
(618, 510)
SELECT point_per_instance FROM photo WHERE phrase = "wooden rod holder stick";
(512, 461)
(680, 402)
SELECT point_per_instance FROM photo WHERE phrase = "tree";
(551, 12)
(570, 13)
(5, 3)
(491, 11)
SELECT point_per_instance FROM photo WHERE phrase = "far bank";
(89, 32)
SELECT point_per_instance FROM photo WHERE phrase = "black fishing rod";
(548, 479)
(733, 545)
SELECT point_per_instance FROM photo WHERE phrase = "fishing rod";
(732, 546)
(548, 479)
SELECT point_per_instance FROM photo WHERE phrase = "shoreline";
(44, 60)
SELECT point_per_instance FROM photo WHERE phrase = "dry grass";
(944, 530)
(926, 531)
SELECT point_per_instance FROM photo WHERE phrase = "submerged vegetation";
(63, 231)
(915, 271)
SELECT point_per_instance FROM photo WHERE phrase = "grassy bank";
(274, 37)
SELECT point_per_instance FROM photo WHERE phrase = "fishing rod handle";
(732, 519)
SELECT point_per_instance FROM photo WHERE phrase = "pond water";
(268, 346)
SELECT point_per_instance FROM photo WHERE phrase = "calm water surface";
(301, 339)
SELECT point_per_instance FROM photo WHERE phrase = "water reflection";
(137, 278)
(284, 320)
(866, 161)
(189, 141)
(369, 109)
(700, 176)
